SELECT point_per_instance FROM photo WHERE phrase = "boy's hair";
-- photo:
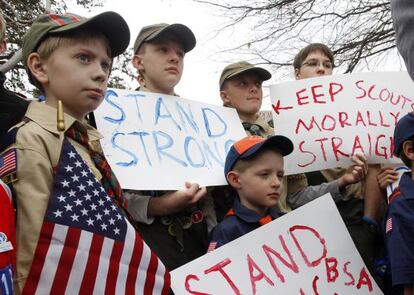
(109, 24)
(240, 67)
(404, 131)
(51, 43)
(242, 164)
(2, 28)
(303, 54)
(156, 32)
(251, 146)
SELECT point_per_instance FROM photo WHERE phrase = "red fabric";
(7, 228)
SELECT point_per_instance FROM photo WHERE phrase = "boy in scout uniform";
(174, 224)
(399, 225)
(241, 88)
(69, 59)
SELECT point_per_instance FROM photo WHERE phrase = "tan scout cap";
(241, 67)
(159, 31)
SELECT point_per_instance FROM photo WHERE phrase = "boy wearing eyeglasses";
(314, 60)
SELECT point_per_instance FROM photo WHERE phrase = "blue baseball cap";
(403, 131)
(251, 145)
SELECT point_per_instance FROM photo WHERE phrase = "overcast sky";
(203, 64)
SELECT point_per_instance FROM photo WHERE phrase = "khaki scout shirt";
(38, 148)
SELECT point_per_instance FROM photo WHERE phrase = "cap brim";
(280, 143)
(262, 73)
(111, 24)
(184, 35)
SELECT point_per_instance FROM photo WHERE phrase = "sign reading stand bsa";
(156, 141)
(299, 253)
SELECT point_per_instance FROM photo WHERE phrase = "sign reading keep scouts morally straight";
(299, 253)
(156, 141)
(331, 118)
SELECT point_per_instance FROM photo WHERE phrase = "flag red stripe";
(88, 281)
(167, 283)
(133, 266)
(151, 271)
(66, 260)
(113, 268)
(39, 258)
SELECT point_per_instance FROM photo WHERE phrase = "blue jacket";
(399, 231)
(238, 222)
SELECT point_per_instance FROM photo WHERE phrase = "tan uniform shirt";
(38, 148)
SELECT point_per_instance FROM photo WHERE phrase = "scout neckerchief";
(253, 129)
(264, 220)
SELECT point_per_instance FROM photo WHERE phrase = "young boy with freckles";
(254, 170)
(174, 224)
(69, 58)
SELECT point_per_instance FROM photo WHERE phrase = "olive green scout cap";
(110, 23)
(241, 67)
(159, 31)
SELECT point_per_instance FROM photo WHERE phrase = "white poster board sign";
(299, 253)
(155, 141)
(331, 118)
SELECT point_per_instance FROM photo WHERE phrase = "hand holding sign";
(332, 118)
(176, 201)
(356, 172)
(156, 141)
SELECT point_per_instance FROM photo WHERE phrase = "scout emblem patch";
(197, 216)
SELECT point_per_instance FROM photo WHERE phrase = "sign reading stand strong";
(155, 141)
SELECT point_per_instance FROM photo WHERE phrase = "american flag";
(211, 247)
(86, 246)
(388, 225)
(8, 162)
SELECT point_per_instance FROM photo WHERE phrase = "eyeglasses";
(313, 63)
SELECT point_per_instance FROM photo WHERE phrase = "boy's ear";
(408, 149)
(37, 67)
(297, 71)
(137, 62)
(233, 179)
(225, 98)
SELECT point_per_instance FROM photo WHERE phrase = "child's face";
(77, 74)
(244, 93)
(259, 185)
(315, 64)
(161, 64)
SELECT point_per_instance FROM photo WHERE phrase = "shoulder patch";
(8, 163)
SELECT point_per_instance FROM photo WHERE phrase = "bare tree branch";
(357, 31)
